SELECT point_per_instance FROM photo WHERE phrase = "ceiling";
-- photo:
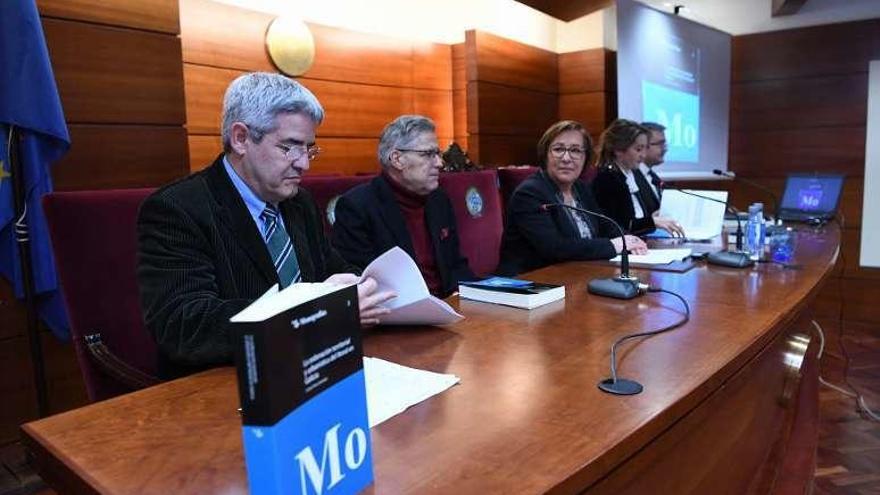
(732, 16)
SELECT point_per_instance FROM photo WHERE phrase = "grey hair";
(401, 133)
(257, 98)
(653, 126)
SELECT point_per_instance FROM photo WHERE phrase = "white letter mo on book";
(355, 453)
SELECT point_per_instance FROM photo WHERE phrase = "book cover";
(303, 398)
(511, 292)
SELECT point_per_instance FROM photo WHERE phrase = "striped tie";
(280, 247)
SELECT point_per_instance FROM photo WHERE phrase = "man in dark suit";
(649, 182)
(213, 242)
(404, 207)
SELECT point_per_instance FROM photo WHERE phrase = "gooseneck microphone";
(754, 184)
(624, 286)
(733, 259)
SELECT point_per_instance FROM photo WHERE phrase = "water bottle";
(755, 231)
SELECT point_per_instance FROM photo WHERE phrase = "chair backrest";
(326, 190)
(94, 240)
(477, 207)
(510, 177)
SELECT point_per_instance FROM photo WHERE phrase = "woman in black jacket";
(621, 191)
(537, 232)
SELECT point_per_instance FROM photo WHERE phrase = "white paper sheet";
(658, 256)
(392, 388)
(414, 305)
(700, 218)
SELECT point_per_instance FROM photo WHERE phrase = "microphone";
(754, 184)
(624, 286)
(733, 259)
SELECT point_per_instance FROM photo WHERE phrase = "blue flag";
(29, 103)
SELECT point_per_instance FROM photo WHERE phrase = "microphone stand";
(623, 286)
(754, 184)
(733, 259)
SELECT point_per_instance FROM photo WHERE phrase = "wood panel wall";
(117, 66)
(799, 104)
(363, 81)
(512, 97)
(588, 88)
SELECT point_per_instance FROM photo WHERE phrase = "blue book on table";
(303, 399)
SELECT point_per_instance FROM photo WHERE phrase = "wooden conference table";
(727, 404)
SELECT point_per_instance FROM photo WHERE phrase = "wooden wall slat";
(586, 71)
(203, 150)
(342, 55)
(109, 157)
(502, 61)
(814, 51)
(778, 152)
(436, 105)
(432, 66)
(358, 110)
(586, 108)
(459, 91)
(205, 87)
(799, 103)
(113, 75)
(850, 253)
(510, 111)
(152, 15)
(504, 150)
(222, 35)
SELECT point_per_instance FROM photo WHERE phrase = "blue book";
(302, 392)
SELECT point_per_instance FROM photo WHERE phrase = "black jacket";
(612, 194)
(201, 260)
(534, 238)
(370, 222)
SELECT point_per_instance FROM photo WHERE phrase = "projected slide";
(676, 73)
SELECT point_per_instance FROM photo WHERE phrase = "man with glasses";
(212, 243)
(654, 156)
(404, 207)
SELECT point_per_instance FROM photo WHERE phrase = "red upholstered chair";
(326, 190)
(95, 244)
(477, 207)
(510, 177)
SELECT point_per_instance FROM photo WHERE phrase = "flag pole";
(24, 251)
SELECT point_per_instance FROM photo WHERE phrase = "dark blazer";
(534, 238)
(370, 222)
(612, 194)
(201, 260)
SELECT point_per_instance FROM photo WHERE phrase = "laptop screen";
(811, 193)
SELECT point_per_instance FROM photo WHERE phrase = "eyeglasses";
(574, 152)
(429, 153)
(296, 151)
(661, 144)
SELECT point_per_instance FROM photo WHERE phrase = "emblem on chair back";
(474, 202)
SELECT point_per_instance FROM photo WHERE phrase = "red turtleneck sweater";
(413, 208)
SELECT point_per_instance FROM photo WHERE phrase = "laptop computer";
(810, 197)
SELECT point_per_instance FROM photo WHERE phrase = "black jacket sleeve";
(179, 291)
(352, 234)
(614, 199)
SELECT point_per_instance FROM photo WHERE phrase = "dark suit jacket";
(201, 260)
(534, 238)
(370, 222)
(612, 194)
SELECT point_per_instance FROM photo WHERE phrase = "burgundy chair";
(477, 207)
(510, 177)
(95, 244)
(326, 190)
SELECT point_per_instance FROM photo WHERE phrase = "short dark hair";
(554, 131)
(619, 136)
(653, 126)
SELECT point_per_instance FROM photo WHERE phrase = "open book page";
(658, 256)
(273, 302)
(700, 218)
(392, 388)
(394, 270)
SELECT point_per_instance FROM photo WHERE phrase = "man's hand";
(633, 244)
(370, 300)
